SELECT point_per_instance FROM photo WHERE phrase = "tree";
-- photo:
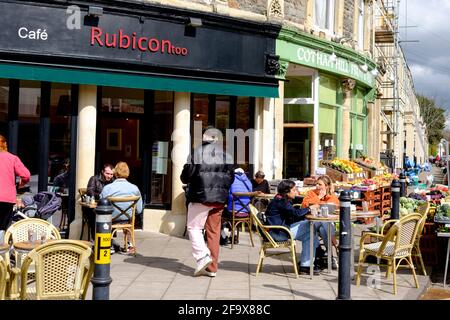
(434, 117)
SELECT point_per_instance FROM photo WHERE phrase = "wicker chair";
(416, 253)
(395, 246)
(240, 216)
(267, 242)
(123, 225)
(63, 270)
(18, 232)
(84, 213)
(3, 278)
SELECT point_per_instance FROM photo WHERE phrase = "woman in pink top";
(10, 167)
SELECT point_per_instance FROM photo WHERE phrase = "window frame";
(330, 21)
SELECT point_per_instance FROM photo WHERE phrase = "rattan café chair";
(63, 271)
(18, 232)
(3, 278)
(129, 211)
(395, 247)
(267, 242)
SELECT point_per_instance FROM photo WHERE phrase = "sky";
(427, 22)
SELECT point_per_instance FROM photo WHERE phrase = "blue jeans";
(300, 231)
(321, 228)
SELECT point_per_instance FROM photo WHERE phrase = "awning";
(136, 81)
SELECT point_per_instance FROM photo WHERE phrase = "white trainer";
(202, 264)
(208, 273)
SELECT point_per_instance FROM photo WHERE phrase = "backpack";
(47, 204)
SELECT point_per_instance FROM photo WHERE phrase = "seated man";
(122, 188)
(61, 182)
(259, 183)
(262, 185)
(94, 188)
(281, 212)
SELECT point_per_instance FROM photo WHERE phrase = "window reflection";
(162, 126)
(229, 113)
(29, 112)
(122, 100)
(4, 96)
(60, 107)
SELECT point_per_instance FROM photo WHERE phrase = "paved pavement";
(164, 267)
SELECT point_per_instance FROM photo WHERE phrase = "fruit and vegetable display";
(370, 163)
(442, 213)
(342, 165)
(409, 205)
(378, 181)
(418, 196)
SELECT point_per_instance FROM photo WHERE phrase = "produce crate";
(428, 248)
(370, 171)
(429, 229)
(344, 177)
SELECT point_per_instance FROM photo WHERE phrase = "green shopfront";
(102, 82)
(316, 74)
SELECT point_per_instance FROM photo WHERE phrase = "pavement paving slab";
(163, 270)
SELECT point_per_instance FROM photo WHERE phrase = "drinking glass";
(365, 206)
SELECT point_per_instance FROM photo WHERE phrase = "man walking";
(209, 175)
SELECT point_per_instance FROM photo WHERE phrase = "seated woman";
(281, 212)
(122, 188)
(323, 194)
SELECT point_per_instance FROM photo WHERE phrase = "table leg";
(446, 262)
(352, 252)
(311, 248)
(330, 252)
(378, 223)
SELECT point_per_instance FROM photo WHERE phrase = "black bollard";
(345, 247)
(395, 196)
(402, 179)
(102, 259)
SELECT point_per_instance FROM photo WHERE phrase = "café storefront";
(97, 83)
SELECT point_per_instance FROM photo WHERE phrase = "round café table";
(312, 218)
(23, 248)
(354, 215)
(4, 249)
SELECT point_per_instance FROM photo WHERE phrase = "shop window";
(329, 90)
(327, 146)
(162, 127)
(298, 113)
(200, 113)
(4, 97)
(223, 112)
(29, 113)
(327, 132)
(324, 15)
(361, 22)
(119, 135)
(122, 100)
(60, 111)
(357, 133)
(243, 113)
(298, 87)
